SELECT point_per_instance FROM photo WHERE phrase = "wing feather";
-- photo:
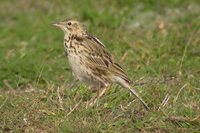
(99, 58)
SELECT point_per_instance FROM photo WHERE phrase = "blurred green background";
(150, 39)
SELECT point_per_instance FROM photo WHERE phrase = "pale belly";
(78, 69)
(81, 72)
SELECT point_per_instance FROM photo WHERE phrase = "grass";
(151, 40)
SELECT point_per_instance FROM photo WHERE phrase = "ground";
(156, 42)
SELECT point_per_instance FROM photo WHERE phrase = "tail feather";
(133, 92)
(126, 85)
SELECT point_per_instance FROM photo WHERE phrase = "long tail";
(133, 92)
(126, 85)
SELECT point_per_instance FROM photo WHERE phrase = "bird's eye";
(69, 23)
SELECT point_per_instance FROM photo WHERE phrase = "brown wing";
(100, 60)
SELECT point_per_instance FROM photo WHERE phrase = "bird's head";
(71, 27)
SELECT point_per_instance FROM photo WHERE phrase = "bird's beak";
(59, 24)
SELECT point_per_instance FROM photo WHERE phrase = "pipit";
(90, 61)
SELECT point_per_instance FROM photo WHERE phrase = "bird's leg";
(74, 81)
(99, 95)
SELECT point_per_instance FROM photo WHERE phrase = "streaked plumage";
(90, 60)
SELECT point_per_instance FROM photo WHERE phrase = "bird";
(90, 60)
